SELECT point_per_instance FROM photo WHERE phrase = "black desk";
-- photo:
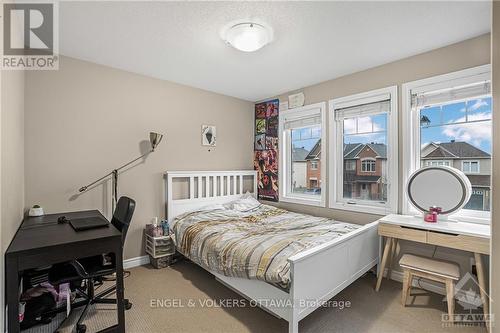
(41, 241)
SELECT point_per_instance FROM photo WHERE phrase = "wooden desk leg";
(387, 250)
(394, 246)
(482, 286)
(120, 290)
(12, 293)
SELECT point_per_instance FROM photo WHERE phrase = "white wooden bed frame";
(317, 274)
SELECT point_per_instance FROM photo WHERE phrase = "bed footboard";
(320, 273)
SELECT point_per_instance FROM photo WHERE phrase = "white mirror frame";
(459, 175)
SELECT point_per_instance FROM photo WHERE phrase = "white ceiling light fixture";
(247, 36)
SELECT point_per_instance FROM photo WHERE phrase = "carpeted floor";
(161, 304)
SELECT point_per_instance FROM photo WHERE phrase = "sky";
(447, 122)
(306, 137)
(366, 129)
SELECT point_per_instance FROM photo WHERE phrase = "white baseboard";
(134, 262)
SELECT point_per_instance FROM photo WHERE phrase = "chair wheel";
(127, 304)
(81, 328)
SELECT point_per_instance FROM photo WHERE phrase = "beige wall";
(466, 54)
(85, 119)
(495, 230)
(12, 153)
(11, 162)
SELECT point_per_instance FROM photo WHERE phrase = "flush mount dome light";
(248, 36)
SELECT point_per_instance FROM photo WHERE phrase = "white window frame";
(470, 167)
(285, 152)
(336, 158)
(314, 165)
(411, 133)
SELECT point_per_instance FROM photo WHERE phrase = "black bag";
(34, 312)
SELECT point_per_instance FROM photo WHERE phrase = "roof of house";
(440, 152)
(352, 150)
(299, 154)
(480, 180)
(315, 152)
(379, 148)
(455, 149)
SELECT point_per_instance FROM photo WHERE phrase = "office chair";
(92, 270)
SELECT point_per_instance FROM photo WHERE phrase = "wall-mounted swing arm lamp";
(154, 140)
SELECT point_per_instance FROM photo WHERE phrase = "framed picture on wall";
(208, 135)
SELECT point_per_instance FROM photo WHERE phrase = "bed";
(286, 267)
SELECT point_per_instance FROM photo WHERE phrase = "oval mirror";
(439, 186)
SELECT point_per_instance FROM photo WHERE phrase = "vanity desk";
(464, 236)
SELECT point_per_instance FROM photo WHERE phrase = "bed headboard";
(205, 188)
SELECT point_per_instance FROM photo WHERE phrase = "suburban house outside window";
(363, 152)
(302, 174)
(448, 122)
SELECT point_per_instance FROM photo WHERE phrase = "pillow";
(211, 207)
(244, 204)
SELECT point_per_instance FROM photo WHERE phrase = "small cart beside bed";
(316, 274)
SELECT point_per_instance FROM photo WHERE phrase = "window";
(470, 166)
(302, 174)
(435, 163)
(363, 152)
(448, 122)
(350, 165)
(368, 165)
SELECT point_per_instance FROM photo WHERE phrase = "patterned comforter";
(253, 244)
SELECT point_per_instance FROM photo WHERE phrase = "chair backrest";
(123, 215)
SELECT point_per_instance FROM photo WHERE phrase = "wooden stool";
(437, 270)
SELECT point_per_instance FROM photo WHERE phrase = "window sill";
(477, 218)
(468, 219)
(303, 200)
(362, 208)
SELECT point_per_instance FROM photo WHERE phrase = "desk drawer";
(397, 231)
(461, 242)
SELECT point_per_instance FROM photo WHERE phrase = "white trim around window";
(368, 163)
(411, 131)
(336, 151)
(290, 115)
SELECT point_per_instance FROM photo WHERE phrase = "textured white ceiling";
(314, 41)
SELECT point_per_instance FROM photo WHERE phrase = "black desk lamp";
(154, 139)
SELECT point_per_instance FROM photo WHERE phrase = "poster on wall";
(266, 149)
